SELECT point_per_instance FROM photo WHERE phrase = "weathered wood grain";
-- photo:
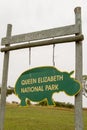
(50, 33)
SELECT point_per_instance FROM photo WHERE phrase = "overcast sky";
(34, 15)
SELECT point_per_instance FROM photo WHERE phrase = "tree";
(84, 84)
(10, 90)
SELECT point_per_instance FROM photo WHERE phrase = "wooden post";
(4, 80)
(78, 75)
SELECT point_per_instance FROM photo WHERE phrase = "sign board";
(41, 83)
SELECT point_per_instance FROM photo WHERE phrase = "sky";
(35, 15)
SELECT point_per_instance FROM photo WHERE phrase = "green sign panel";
(41, 83)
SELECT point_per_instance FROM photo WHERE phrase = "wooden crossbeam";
(50, 33)
(43, 43)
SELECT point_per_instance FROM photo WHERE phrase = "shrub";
(63, 104)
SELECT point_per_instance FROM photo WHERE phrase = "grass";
(40, 118)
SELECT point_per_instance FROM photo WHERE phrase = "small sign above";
(41, 83)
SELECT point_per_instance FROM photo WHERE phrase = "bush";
(43, 103)
(63, 104)
(28, 102)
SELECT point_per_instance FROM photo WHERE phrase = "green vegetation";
(10, 90)
(40, 118)
(64, 105)
(57, 104)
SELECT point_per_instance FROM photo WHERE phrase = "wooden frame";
(41, 38)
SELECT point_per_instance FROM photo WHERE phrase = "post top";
(77, 9)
